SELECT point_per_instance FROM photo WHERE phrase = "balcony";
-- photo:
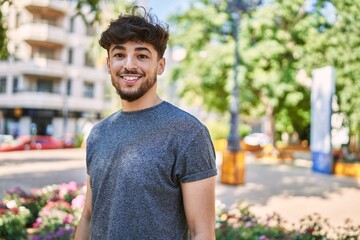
(42, 32)
(53, 101)
(27, 99)
(42, 67)
(48, 7)
(85, 104)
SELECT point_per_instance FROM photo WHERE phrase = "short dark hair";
(134, 27)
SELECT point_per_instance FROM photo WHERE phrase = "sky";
(162, 9)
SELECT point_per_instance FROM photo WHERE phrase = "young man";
(151, 166)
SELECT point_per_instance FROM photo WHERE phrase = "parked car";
(257, 139)
(6, 138)
(32, 143)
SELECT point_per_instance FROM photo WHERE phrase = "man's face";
(134, 67)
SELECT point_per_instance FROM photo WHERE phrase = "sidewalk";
(293, 191)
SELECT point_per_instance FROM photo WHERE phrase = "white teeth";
(128, 78)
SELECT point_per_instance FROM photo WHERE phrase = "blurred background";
(244, 68)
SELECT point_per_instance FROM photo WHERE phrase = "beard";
(131, 95)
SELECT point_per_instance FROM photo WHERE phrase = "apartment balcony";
(41, 67)
(44, 33)
(88, 73)
(85, 104)
(48, 7)
(53, 101)
(28, 99)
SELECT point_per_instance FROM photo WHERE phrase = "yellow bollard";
(233, 167)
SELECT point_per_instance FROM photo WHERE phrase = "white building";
(50, 85)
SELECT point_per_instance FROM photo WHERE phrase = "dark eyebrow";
(138, 49)
(143, 49)
(118, 47)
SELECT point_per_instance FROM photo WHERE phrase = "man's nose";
(130, 63)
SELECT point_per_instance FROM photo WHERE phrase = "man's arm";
(83, 229)
(199, 205)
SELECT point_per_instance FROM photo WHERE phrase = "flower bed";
(53, 212)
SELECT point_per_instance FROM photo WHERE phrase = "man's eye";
(119, 55)
(142, 56)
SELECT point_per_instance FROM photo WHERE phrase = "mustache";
(128, 72)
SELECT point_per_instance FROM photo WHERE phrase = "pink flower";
(68, 188)
(37, 223)
(68, 219)
(78, 202)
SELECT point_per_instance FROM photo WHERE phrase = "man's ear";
(161, 66)
(108, 64)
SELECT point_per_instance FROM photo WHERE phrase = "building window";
(90, 30)
(89, 61)
(70, 56)
(15, 85)
(72, 24)
(44, 86)
(68, 87)
(2, 84)
(46, 53)
(17, 20)
(16, 53)
(88, 90)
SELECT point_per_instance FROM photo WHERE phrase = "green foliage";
(13, 222)
(277, 39)
(220, 129)
(338, 45)
(53, 211)
(32, 202)
(3, 29)
(272, 37)
(79, 138)
(64, 203)
(240, 223)
(204, 73)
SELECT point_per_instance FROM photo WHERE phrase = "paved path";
(291, 191)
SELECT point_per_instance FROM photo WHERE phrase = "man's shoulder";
(105, 122)
(182, 119)
(183, 115)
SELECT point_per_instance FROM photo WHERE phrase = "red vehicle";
(32, 143)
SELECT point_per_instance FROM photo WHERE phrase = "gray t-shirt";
(136, 162)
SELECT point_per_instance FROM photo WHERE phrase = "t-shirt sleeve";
(197, 160)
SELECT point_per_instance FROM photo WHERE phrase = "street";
(291, 191)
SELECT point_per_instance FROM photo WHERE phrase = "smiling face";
(134, 67)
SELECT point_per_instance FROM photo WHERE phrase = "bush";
(52, 212)
(240, 223)
(13, 221)
(56, 211)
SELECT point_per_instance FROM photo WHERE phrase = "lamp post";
(233, 165)
(234, 139)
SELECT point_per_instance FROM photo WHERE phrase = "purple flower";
(17, 191)
(248, 224)
(63, 232)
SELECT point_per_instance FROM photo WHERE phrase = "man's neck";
(149, 99)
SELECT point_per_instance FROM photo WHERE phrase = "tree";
(272, 38)
(203, 31)
(339, 45)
